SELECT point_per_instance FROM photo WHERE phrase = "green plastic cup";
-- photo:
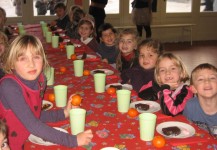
(48, 36)
(99, 82)
(22, 32)
(77, 120)
(49, 73)
(60, 92)
(123, 100)
(78, 67)
(55, 41)
(147, 122)
(70, 49)
(45, 30)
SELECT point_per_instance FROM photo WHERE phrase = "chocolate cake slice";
(99, 71)
(117, 87)
(171, 131)
(142, 106)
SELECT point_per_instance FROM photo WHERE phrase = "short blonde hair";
(184, 74)
(201, 67)
(19, 47)
(129, 32)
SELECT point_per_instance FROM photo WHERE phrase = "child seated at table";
(107, 47)
(86, 30)
(202, 109)
(169, 85)
(21, 93)
(7, 30)
(75, 15)
(3, 136)
(3, 47)
(128, 55)
(149, 51)
(63, 18)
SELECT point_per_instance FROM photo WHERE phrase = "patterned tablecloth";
(110, 128)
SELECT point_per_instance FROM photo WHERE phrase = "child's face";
(169, 72)
(205, 83)
(85, 30)
(3, 143)
(147, 57)
(60, 12)
(108, 37)
(29, 65)
(127, 44)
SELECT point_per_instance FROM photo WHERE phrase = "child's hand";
(69, 106)
(84, 138)
(105, 60)
(53, 23)
(173, 85)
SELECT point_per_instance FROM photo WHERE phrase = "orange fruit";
(73, 57)
(76, 100)
(63, 69)
(86, 72)
(51, 97)
(132, 112)
(111, 90)
(61, 46)
(159, 141)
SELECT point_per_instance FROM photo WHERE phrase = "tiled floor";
(200, 52)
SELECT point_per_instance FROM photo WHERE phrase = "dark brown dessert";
(142, 106)
(45, 106)
(117, 87)
(99, 71)
(171, 131)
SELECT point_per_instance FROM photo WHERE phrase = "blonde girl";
(171, 75)
(127, 44)
(21, 109)
(86, 30)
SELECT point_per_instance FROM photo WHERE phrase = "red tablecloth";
(110, 128)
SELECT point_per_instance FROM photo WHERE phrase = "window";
(112, 7)
(178, 6)
(208, 5)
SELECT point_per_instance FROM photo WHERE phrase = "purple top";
(137, 77)
(15, 101)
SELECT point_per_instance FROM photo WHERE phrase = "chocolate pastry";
(99, 71)
(142, 106)
(117, 87)
(45, 106)
(171, 131)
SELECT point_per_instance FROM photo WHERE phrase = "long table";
(110, 128)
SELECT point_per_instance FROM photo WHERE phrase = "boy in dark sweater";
(107, 48)
(63, 18)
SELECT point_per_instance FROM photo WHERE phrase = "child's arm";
(149, 91)
(18, 105)
(173, 103)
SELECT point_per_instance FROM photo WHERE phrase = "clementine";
(51, 97)
(132, 112)
(63, 69)
(73, 57)
(61, 46)
(159, 141)
(111, 90)
(86, 72)
(76, 100)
